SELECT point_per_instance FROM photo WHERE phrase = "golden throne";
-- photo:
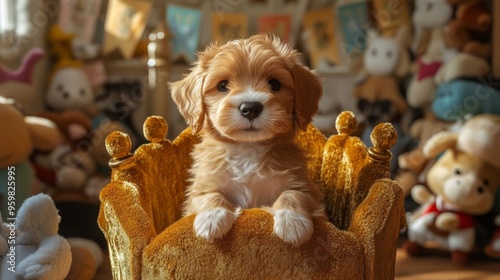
(141, 213)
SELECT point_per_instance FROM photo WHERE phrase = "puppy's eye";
(486, 182)
(275, 85)
(222, 86)
(458, 171)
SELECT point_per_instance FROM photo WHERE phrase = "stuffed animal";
(69, 87)
(17, 84)
(413, 164)
(20, 136)
(462, 65)
(470, 30)
(430, 17)
(379, 96)
(35, 250)
(457, 99)
(78, 210)
(463, 183)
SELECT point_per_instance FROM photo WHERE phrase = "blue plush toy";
(462, 97)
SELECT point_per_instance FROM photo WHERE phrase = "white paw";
(213, 224)
(292, 227)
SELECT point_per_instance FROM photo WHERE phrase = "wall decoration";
(294, 9)
(184, 25)
(125, 25)
(321, 42)
(80, 17)
(229, 26)
(279, 25)
(353, 19)
(390, 15)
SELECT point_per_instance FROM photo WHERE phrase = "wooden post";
(496, 39)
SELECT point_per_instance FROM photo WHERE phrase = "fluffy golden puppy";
(247, 98)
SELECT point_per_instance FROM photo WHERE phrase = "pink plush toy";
(24, 73)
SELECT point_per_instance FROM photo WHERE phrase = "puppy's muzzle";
(251, 110)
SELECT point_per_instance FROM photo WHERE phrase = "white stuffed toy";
(36, 251)
(430, 18)
(379, 96)
(69, 86)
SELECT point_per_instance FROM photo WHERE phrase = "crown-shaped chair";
(147, 238)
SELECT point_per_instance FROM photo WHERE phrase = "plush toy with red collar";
(463, 183)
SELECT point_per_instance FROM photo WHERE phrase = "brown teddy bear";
(463, 183)
(470, 30)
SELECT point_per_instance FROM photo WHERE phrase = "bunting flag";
(125, 23)
(184, 24)
(390, 15)
(321, 39)
(229, 26)
(353, 19)
(279, 25)
(80, 17)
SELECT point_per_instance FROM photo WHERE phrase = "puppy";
(247, 98)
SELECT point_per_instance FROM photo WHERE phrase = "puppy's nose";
(251, 110)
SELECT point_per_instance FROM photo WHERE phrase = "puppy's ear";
(188, 95)
(188, 92)
(308, 90)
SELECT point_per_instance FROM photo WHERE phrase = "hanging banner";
(184, 24)
(229, 26)
(80, 17)
(124, 26)
(390, 15)
(321, 39)
(353, 19)
(279, 25)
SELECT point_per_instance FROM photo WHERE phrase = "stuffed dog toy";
(247, 98)
(464, 181)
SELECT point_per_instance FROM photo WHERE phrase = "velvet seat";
(141, 207)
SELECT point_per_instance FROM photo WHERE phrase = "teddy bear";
(462, 184)
(21, 135)
(429, 18)
(470, 30)
(379, 96)
(35, 250)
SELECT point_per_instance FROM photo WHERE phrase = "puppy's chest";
(251, 181)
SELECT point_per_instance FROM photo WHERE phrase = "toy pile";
(450, 173)
(60, 151)
(438, 91)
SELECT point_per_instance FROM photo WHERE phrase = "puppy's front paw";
(213, 224)
(292, 227)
